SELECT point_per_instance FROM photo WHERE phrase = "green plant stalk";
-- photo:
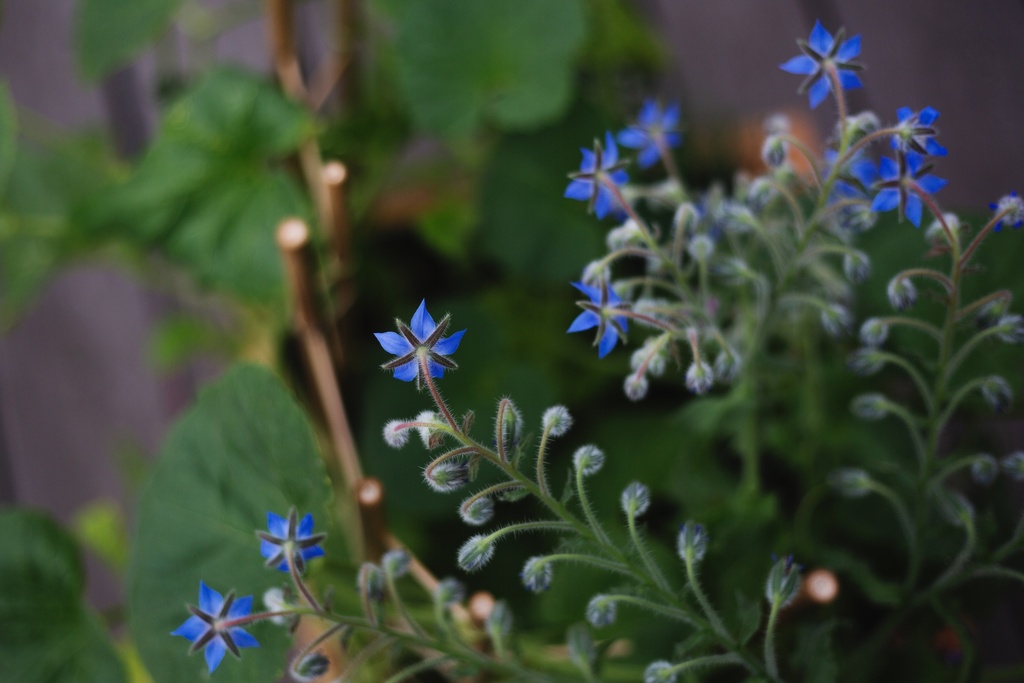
(588, 511)
(771, 665)
(702, 599)
(645, 554)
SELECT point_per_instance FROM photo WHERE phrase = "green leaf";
(100, 527)
(506, 62)
(109, 33)
(244, 449)
(8, 136)
(207, 194)
(47, 634)
(749, 617)
(815, 653)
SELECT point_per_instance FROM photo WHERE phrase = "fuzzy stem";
(769, 642)
(588, 511)
(706, 661)
(656, 607)
(644, 553)
(434, 393)
(300, 585)
(982, 234)
(702, 599)
(542, 450)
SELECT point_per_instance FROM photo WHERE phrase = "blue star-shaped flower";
(855, 177)
(656, 129)
(915, 132)
(600, 312)
(823, 53)
(211, 625)
(599, 169)
(1013, 207)
(422, 337)
(902, 183)
(290, 536)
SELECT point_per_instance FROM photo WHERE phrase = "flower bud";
(660, 672)
(476, 511)
(651, 356)
(537, 574)
(851, 482)
(1014, 208)
(727, 365)
(475, 553)
(997, 393)
(449, 591)
(692, 541)
(686, 218)
(601, 611)
(836, 320)
(902, 293)
(783, 582)
(857, 266)
(511, 427)
(588, 460)
(556, 421)
(395, 563)
(857, 219)
(776, 124)
(870, 406)
(761, 193)
(581, 647)
(594, 273)
(499, 621)
(935, 231)
(1013, 465)
(859, 125)
(1010, 329)
(701, 247)
(699, 377)
(774, 151)
(446, 476)
(991, 313)
(396, 433)
(636, 498)
(957, 510)
(431, 436)
(984, 469)
(874, 332)
(628, 234)
(310, 667)
(865, 362)
(275, 601)
(370, 582)
(635, 386)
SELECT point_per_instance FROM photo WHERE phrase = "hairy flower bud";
(601, 611)
(1013, 465)
(430, 435)
(727, 365)
(275, 601)
(477, 512)
(701, 247)
(776, 124)
(686, 218)
(651, 357)
(311, 667)
(902, 293)
(1010, 329)
(636, 498)
(1013, 207)
(370, 582)
(760, 193)
(581, 647)
(857, 266)
(984, 469)
(957, 510)
(511, 424)
(692, 540)
(864, 123)
(699, 377)
(774, 151)
(499, 621)
(476, 552)
(997, 393)
(870, 406)
(836, 319)
(628, 234)
(537, 574)
(396, 433)
(865, 362)
(783, 582)
(556, 421)
(874, 332)
(991, 313)
(395, 563)
(449, 591)
(936, 233)
(446, 476)
(635, 386)
(660, 671)
(851, 482)
(588, 460)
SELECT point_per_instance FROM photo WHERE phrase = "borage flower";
(599, 171)
(1011, 208)
(290, 537)
(915, 132)
(902, 184)
(655, 131)
(823, 55)
(602, 311)
(211, 625)
(421, 339)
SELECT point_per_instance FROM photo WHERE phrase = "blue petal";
(448, 345)
(848, 80)
(670, 119)
(848, 50)
(579, 189)
(191, 629)
(820, 40)
(607, 343)
(422, 324)
(632, 138)
(407, 372)
(864, 170)
(604, 202)
(928, 116)
(623, 322)
(931, 184)
(818, 91)
(305, 529)
(888, 168)
(886, 200)
(436, 369)
(934, 148)
(913, 210)
(392, 343)
(648, 116)
(904, 113)
(611, 151)
(268, 549)
(311, 552)
(619, 177)
(241, 607)
(589, 162)
(243, 639)
(283, 567)
(802, 65)
(648, 157)
(673, 139)
(215, 653)
(209, 599)
(584, 321)
(592, 293)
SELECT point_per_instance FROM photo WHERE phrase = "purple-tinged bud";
(870, 406)
(446, 476)
(636, 499)
(556, 421)
(395, 563)
(1010, 329)
(477, 512)
(537, 574)
(396, 433)
(699, 377)
(865, 362)
(692, 541)
(499, 621)
(997, 393)
(449, 591)
(588, 460)
(857, 219)
(727, 365)
(856, 266)
(836, 319)
(701, 248)
(581, 647)
(476, 552)
(660, 672)
(635, 386)
(984, 468)
(601, 611)
(874, 332)
(851, 482)
(1013, 465)
(902, 293)
(774, 151)
(783, 582)
(310, 667)
(1014, 208)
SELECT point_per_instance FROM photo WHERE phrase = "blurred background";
(457, 122)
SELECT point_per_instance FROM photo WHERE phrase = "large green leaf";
(47, 634)
(207, 195)
(509, 62)
(244, 449)
(108, 33)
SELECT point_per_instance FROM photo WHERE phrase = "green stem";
(656, 607)
(702, 599)
(645, 554)
(770, 662)
(588, 511)
(706, 661)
